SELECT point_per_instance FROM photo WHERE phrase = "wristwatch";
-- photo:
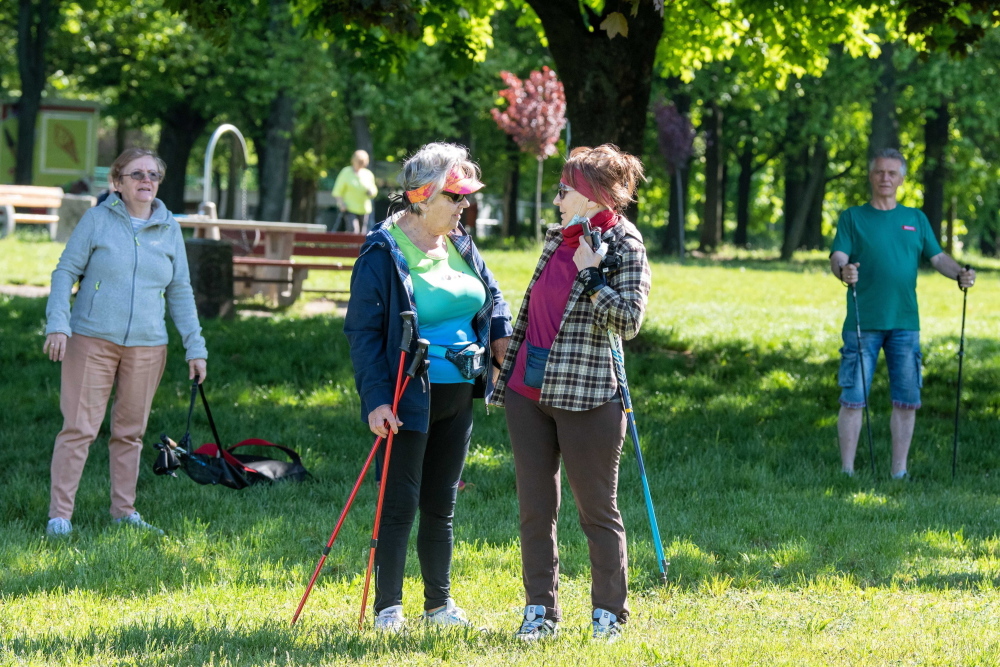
(593, 280)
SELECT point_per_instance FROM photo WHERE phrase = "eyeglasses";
(139, 175)
(454, 197)
(563, 189)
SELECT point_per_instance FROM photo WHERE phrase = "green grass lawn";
(776, 559)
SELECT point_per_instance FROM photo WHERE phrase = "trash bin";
(211, 266)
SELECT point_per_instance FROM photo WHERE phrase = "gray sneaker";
(449, 615)
(135, 520)
(391, 619)
(535, 626)
(58, 527)
(606, 626)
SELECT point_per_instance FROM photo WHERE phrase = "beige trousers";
(90, 369)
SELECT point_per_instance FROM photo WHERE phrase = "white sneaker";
(391, 619)
(535, 626)
(135, 520)
(606, 626)
(59, 526)
(448, 615)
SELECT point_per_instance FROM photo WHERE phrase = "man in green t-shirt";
(877, 250)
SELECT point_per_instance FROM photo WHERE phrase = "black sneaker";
(535, 626)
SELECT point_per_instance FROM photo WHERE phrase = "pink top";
(548, 297)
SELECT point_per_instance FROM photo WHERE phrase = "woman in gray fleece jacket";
(128, 254)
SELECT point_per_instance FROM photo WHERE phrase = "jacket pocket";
(93, 299)
(534, 366)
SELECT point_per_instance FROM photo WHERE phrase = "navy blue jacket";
(381, 289)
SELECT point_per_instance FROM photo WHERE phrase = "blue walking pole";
(618, 356)
(619, 359)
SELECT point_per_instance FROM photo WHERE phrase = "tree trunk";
(952, 214)
(812, 236)
(743, 185)
(935, 167)
(180, 128)
(34, 20)
(607, 81)
(273, 158)
(538, 202)
(711, 224)
(362, 132)
(233, 181)
(795, 225)
(510, 189)
(303, 200)
(673, 239)
(885, 126)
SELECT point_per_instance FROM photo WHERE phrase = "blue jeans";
(902, 356)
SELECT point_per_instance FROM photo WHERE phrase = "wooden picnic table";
(279, 242)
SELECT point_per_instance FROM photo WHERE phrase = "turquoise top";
(888, 245)
(448, 295)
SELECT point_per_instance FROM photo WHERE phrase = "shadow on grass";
(739, 443)
(218, 639)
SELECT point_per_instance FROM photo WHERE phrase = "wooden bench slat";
(35, 219)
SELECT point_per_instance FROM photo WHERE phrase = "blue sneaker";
(535, 626)
(606, 626)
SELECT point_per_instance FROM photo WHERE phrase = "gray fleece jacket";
(127, 280)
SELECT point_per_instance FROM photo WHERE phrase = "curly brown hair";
(612, 174)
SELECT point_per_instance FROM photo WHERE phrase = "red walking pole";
(399, 390)
(416, 368)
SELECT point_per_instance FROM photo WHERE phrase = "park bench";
(13, 197)
(342, 245)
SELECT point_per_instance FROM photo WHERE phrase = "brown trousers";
(90, 369)
(590, 444)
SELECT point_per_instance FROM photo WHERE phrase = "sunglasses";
(139, 175)
(455, 198)
(563, 190)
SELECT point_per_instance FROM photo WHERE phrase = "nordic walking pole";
(616, 354)
(416, 367)
(407, 336)
(347, 507)
(958, 394)
(619, 360)
(864, 382)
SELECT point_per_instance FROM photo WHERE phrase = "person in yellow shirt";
(353, 191)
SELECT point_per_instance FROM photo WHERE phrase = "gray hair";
(431, 164)
(888, 154)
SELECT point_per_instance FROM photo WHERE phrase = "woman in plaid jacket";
(558, 385)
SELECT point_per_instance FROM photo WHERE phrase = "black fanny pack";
(470, 360)
(534, 367)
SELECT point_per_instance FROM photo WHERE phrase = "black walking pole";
(864, 381)
(958, 394)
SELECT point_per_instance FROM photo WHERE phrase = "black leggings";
(424, 471)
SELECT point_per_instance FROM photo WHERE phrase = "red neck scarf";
(603, 221)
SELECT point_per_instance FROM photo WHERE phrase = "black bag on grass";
(210, 464)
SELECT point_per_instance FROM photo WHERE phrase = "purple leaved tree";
(675, 136)
(534, 117)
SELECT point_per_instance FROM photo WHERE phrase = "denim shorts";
(902, 356)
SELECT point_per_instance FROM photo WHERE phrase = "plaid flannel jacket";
(580, 374)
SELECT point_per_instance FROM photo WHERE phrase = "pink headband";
(574, 179)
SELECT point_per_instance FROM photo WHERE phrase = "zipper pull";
(137, 239)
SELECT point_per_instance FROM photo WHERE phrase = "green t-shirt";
(448, 295)
(888, 245)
